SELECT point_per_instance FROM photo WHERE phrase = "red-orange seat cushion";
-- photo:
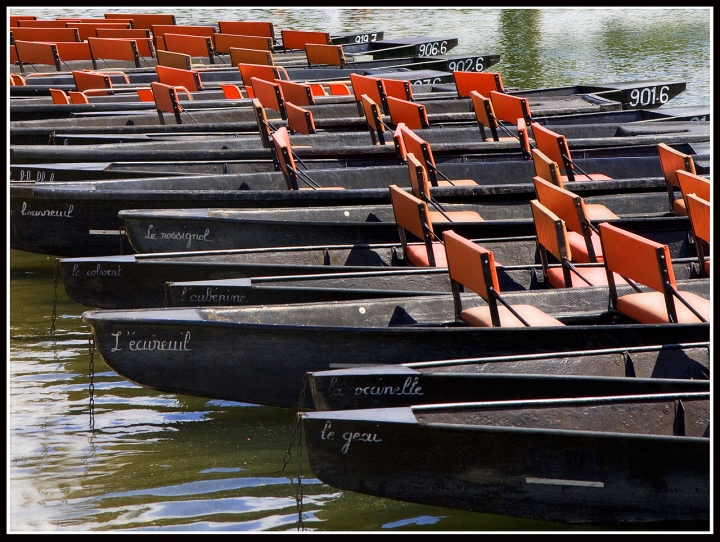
(480, 317)
(596, 275)
(456, 216)
(649, 307)
(417, 255)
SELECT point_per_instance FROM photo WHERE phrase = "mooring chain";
(91, 375)
(56, 272)
(297, 433)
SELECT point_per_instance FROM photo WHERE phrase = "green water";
(89, 451)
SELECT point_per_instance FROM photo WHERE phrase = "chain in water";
(91, 375)
(297, 434)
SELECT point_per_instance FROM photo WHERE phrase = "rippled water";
(89, 451)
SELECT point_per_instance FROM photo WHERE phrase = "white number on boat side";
(467, 65)
(364, 38)
(428, 81)
(649, 96)
(432, 49)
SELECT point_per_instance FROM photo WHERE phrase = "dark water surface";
(89, 451)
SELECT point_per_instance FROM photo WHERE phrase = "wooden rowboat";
(663, 368)
(614, 459)
(260, 354)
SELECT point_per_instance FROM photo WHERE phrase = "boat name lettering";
(26, 174)
(467, 65)
(136, 345)
(648, 96)
(98, 271)
(350, 436)
(433, 49)
(364, 38)
(48, 212)
(209, 296)
(409, 387)
(179, 235)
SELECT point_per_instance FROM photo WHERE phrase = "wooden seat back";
(51, 35)
(482, 82)
(59, 96)
(15, 18)
(325, 55)
(299, 119)
(509, 108)
(264, 29)
(142, 38)
(188, 79)
(87, 30)
(398, 88)
(471, 265)
(672, 160)
(551, 233)
(17, 80)
(231, 91)
(270, 95)
(374, 120)
(286, 161)
(73, 50)
(223, 43)
(297, 39)
(89, 80)
(411, 215)
(690, 183)
(412, 114)
(264, 127)
(113, 49)
(485, 115)
(159, 30)
(145, 20)
(31, 52)
(170, 59)
(195, 46)
(699, 213)
(42, 23)
(297, 93)
(567, 205)
(251, 56)
(372, 86)
(166, 101)
(546, 169)
(260, 71)
(412, 143)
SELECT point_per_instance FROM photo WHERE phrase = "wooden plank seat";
(59, 96)
(51, 35)
(268, 73)
(546, 169)
(285, 159)
(421, 190)
(297, 93)
(265, 128)
(232, 91)
(412, 143)
(89, 29)
(699, 213)
(159, 31)
(195, 46)
(413, 222)
(264, 29)
(412, 114)
(299, 119)
(372, 86)
(555, 147)
(167, 101)
(113, 49)
(690, 183)
(672, 160)
(374, 120)
(482, 82)
(42, 23)
(325, 55)
(641, 261)
(17, 80)
(142, 38)
(398, 88)
(15, 18)
(189, 80)
(295, 40)
(240, 55)
(578, 217)
(486, 118)
(225, 42)
(270, 95)
(180, 61)
(32, 52)
(552, 240)
(145, 20)
(474, 267)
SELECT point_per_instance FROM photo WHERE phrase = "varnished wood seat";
(571, 208)
(167, 101)
(372, 86)
(286, 162)
(187, 79)
(552, 239)
(412, 217)
(671, 161)
(373, 117)
(555, 147)
(299, 119)
(645, 262)
(297, 93)
(241, 55)
(482, 82)
(412, 143)
(398, 88)
(270, 95)
(699, 214)
(421, 190)
(412, 114)
(691, 183)
(473, 267)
